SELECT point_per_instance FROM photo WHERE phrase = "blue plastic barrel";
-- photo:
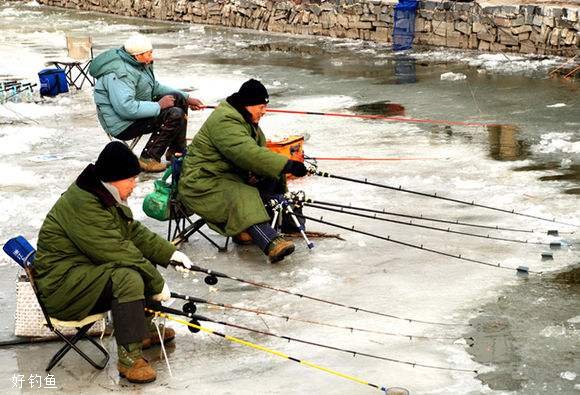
(404, 24)
(52, 82)
(19, 249)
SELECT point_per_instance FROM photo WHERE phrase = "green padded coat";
(213, 182)
(84, 238)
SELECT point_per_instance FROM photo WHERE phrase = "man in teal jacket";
(130, 102)
(93, 257)
(228, 167)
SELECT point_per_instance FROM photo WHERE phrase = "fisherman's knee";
(175, 113)
(128, 285)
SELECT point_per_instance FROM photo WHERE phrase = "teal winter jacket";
(125, 90)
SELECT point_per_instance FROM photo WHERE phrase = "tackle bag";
(52, 82)
(157, 204)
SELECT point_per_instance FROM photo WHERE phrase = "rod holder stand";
(547, 256)
(523, 271)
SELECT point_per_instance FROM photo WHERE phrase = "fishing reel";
(312, 164)
(189, 308)
(211, 280)
(193, 329)
(298, 198)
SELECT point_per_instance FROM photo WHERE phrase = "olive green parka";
(84, 238)
(217, 167)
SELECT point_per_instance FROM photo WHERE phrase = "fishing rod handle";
(187, 297)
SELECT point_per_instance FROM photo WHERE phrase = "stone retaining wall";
(525, 29)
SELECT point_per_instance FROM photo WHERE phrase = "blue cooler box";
(52, 82)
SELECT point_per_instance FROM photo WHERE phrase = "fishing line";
(401, 189)
(196, 317)
(379, 117)
(419, 217)
(448, 230)
(520, 269)
(191, 325)
(191, 309)
(212, 279)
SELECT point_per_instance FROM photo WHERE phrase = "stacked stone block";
(523, 29)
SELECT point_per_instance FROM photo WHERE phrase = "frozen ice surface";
(48, 143)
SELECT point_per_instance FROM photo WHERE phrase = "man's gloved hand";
(166, 101)
(164, 296)
(295, 168)
(180, 257)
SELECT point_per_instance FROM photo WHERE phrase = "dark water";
(529, 333)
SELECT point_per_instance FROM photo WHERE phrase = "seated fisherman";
(93, 257)
(227, 167)
(130, 102)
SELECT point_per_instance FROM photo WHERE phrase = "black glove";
(295, 168)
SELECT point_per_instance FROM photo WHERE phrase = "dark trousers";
(167, 130)
(128, 318)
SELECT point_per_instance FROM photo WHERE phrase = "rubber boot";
(151, 165)
(243, 238)
(279, 248)
(153, 339)
(133, 366)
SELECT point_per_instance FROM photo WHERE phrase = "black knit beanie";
(251, 93)
(116, 162)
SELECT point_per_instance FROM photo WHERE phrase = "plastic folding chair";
(131, 144)
(23, 253)
(76, 66)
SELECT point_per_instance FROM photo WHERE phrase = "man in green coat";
(227, 167)
(130, 102)
(93, 257)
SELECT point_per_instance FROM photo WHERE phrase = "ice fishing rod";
(315, 171)
(379, 117)
(299, 197)
(448, 230)
(519, 269)
(190, 307)
(213, 276)
(196, 318)
(193, 326)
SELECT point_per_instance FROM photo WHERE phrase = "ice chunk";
(453, 77)
(568, 375)
(556, 105)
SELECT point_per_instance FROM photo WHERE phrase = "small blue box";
(52, 82)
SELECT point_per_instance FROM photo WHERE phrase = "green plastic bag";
(156, 204)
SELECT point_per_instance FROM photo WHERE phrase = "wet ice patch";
(453, 77)
(503, 63)
(321, 103)
(553, 331)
